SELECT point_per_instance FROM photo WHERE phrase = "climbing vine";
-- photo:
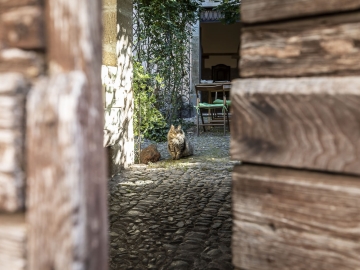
(161, 56)
(147, 117)
(162, 31)
(230, 10)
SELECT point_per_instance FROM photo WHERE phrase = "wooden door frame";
(66, 163)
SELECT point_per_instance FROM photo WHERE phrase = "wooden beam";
(23, 28)
(29, 63)
(67, 186)
(322, 46)
(13, 90)
(289, 219)
(13, 242)
(309, 123)
(254, 11)
(5, 5)
(61, 157)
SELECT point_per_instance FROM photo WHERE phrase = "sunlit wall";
(117, 79)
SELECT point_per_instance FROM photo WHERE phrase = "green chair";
(217, 114)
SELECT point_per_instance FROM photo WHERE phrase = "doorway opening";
(219, 47)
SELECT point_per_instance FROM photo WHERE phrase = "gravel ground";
(174, 214)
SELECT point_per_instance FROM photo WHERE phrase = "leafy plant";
(157, 133)
(146, 115)
(162, 32)
(230, 10)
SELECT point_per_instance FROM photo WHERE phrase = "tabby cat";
(178, 145)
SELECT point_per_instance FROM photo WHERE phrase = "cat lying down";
(178, 145)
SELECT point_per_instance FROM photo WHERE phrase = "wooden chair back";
(220, 72)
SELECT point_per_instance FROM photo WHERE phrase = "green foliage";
(157, 133)
(162, 31)
(230, 10)
(146, 116)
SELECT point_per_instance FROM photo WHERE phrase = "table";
(226, 87)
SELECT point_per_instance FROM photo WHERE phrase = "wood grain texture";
(289, 219)
(29, 63)
(309, 123)
(12, 242)
(67, 186)
(22, 28)
(13, 90)
(324, 46)
(66, 177)
(254, 11)
(6, 5)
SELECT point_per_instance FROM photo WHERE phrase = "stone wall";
(195, 61)
(117, 79)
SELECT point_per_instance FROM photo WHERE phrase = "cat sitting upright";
(178, 145)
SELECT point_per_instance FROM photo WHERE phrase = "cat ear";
(172, 127)
(179, 127)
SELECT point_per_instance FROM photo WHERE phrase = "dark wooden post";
(66, 185)
(296, 128)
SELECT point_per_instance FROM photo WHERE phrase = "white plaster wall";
(118, 93)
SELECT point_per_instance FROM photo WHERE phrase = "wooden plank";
(254, 11)
(61, 157)
(12, 242)
(289, 219)
(66, 159)
(11, 114)
(23, 28)
(13, 89)
(11, 150)
(29, 63)
(5, 5)
(12, 83)
(309, 123)
(11, 171)
(322, 46)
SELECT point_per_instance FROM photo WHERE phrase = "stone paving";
(174, 214)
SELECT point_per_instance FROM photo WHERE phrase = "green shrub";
(157, 133)
(230, 10)
(146, 116)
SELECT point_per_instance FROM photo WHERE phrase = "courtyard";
(174, 214)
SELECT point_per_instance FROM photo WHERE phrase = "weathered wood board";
(23, 28)
(254, 11)
(66, 163)
(63, 175)
(13, 90)
(12, 242)
(311, 47)
(29, 63)
(309, 123)
(5, 5)
(290, 219)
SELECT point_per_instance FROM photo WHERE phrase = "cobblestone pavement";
(174, 214)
